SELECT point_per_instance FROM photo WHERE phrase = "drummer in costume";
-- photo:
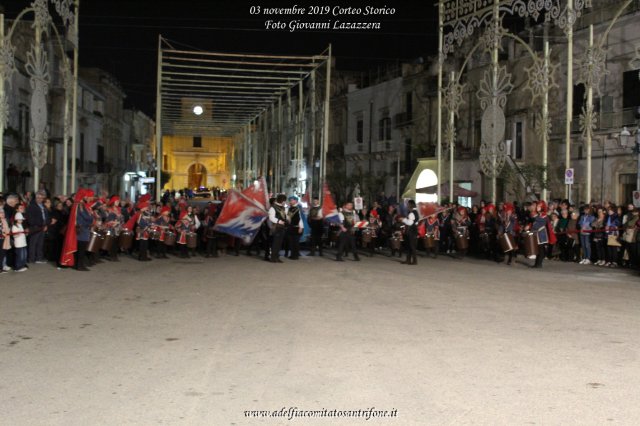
(432, 230)
(462, 224)
(295, 227)
(163, 224)
(538, 224)
(507, 225)
(145, 221)
(183, 226)
(346, 241)
(317, 227)
(491, 229)
(194, 225)
(114, 222)
(411, 232)
(99, 211)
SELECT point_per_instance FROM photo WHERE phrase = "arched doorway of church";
(197, 175)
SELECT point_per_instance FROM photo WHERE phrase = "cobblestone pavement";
(206, 341)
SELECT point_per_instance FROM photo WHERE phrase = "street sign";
(568, 177)
(147, 180)
(357, 203)
(636, 199)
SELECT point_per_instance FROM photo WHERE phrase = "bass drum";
(429, 241)
(367, 236)
(109, 241)
(507, 242)
(462, 242)
(396, 243)
(170, 238)
(154, 234)
(192, 240)
(530, 245)
(95, 243)
(125, 240)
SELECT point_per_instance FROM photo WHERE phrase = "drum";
(430, 241)
(170, 238)
(530, 245)
(507, 242)
(95, 243)
(367, 236)
(462, 242)
(396, 243)
(192, 240)
(125, 240)
(154, 233)
(109, 240)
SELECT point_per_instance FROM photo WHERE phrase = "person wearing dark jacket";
(38, 219)
(84, 220)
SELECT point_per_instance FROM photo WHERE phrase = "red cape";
(70, 240)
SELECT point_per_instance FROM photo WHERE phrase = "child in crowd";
(19, 242)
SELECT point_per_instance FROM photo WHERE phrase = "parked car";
(202, 191)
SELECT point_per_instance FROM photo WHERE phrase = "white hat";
(19, 216)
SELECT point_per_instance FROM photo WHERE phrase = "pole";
(159, 122)
(494, 66)
(312, 166)
(2, 74)
(440, 64)
(325, 130)
(545, 119)
(589, 111)
(278, 173)
(300, 150)
(398, 177)
(36, 169)
(65, 134)
(74, 108)
(452, 142)
(569, 99)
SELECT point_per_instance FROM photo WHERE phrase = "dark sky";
(121, 36)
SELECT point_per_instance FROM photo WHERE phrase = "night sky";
(121, 36)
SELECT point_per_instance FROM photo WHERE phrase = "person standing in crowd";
(278, 219)
(38, 220)
(54, 230)
(20, 242)
(571, 250)
(346, 240)
(411, 223)
(599, 237)
(613, 236)
(630, 223)
(317, 227)
(586, 227)
(10, 206)
(5, 238)
(462, 224)
(295, 227)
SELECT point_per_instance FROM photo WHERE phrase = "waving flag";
(429, 209)
(329, 208)
(306, 233)
(240, 217)
(258, 193)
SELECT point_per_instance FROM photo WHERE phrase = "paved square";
(201, 341)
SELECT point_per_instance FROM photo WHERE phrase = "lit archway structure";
(274, 107)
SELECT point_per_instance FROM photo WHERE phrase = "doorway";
(197, 176)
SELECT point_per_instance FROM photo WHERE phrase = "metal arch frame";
(591, 80)
(69, 85)
(474, 14)
(243, 92)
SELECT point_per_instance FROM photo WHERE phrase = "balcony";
(383, 146)
(356, 148)
(607, 121)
